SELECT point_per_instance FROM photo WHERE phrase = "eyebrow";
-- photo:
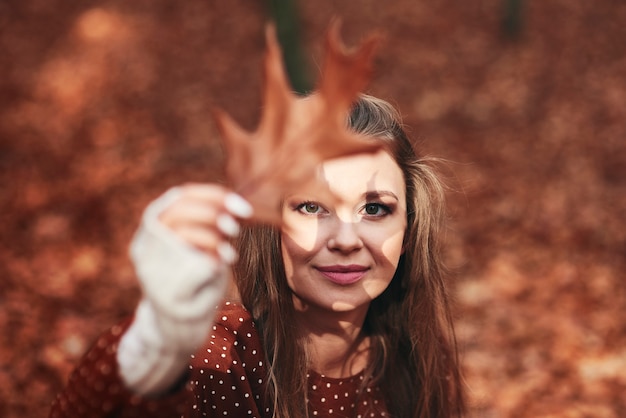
(380, 193)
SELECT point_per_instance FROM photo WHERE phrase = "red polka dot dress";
(226, 378)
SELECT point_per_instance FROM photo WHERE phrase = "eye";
(376, 209)
(310, 208)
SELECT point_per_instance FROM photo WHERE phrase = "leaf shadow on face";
(323, 252)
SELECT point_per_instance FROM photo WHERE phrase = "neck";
(334, 341)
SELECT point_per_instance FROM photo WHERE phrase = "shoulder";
(234, 323)
(230, 368)
(233, 316)
(233, 340)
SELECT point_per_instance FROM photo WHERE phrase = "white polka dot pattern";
(228, 375)
(329, 397)
(226, 378)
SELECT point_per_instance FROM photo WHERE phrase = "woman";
(345, 310)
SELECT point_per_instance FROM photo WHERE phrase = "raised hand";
(206, 216)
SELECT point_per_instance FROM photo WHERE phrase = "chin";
(345, 306)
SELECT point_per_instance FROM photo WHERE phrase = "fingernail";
(227, 225)
(226, 252)
(237, 205)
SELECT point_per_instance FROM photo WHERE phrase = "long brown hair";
(413, 350)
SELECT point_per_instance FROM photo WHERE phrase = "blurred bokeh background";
(105, 104)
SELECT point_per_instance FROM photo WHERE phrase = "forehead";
(362, 173)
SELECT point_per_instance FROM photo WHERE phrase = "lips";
(343, 274)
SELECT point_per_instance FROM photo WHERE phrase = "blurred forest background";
(105, 104)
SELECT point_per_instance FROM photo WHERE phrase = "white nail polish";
(237, 205)
(227, 225)
(226, 252)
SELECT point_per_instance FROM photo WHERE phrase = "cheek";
(393, 247)
(300, 238)
(387, 240)
(298, 245)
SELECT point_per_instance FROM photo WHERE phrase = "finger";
(219, 195)
(209, 192)
(238, 206)
(209, 242)
(227, 225)
(189, 211)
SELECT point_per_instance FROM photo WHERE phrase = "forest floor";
(105, 105)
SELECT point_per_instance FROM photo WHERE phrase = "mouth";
(343, 274)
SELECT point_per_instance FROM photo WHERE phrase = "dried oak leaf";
(296, 133)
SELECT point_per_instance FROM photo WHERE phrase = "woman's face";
(341, 253)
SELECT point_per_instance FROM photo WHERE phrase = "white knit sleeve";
(182, 287)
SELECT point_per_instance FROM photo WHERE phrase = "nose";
(345, 237)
